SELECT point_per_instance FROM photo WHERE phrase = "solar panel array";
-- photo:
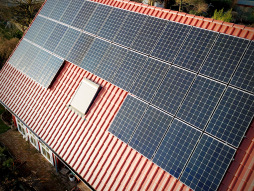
(190, 89)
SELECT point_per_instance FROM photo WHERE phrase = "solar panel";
(19, 53)
(45, 32)
(50, 70)
(129, 70)
(36, 71)
(78, 51)
(200, 101)
(127, 118)
(150, 131)
(243, 77)
(94, 55)
(224, 57)
(112, 24)
(59, 9)
(195, 48)
(84, 14)
(71, 11)
(148, 34)
(55, 37)
(48, 7)
(207, 165)
(173, 89)
(129, 30)
(149, 79)
(65, 45)
(176, 147)
(28, 59)
(97, 19)
(170, 41)
(232, 116)
(110, 62)
(35, 28)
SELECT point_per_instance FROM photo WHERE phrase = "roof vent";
(84, 97)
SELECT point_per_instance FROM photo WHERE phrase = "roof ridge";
(233, 29)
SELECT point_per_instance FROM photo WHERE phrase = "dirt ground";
(43, 174)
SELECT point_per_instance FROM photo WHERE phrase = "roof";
(104, 161)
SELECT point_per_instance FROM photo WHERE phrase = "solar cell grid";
(59, 9)
(35, 28)
(44, 33)
(176, 147)
(148, 34)
(71, 11)
(170, 41)
(232, 116)
(127, 118)
(243, 77)
(129, 30)
(129, 70)
(84, 14)
(173, 89)
(55, 37)
(207, 165)
(195, 48)
(110, 62)
(97, 19)
(149, 79)
(150, 131)
(79, 49)
(114, 21)
(48, 7)
(224, 57)
(200, 101)
(68, 40)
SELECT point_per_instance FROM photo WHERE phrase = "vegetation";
(3, 126)
(223, 16)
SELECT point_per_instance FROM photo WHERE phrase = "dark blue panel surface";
(173, 89)
(200, 101)
(110, 62)
(149, 79)
(35, 28)
(148, 34)
(195, 48)
(84, 14)
(224, 57)
(94, 55)
(150, 131)
(127, 118)
(207, 165)
(79, 49)
(67, 42)
(59, 9)
(55, 37)
(116, 18)
(129, 30)
(232, 117)
(97, 19)
(45, 32)
(176, 147)
(48, 7)
(72, 10)
(129, 70)
(170, 41)
(243, 77)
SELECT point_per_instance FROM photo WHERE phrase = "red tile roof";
(104, 161)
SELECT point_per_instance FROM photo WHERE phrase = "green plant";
(223, 16)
